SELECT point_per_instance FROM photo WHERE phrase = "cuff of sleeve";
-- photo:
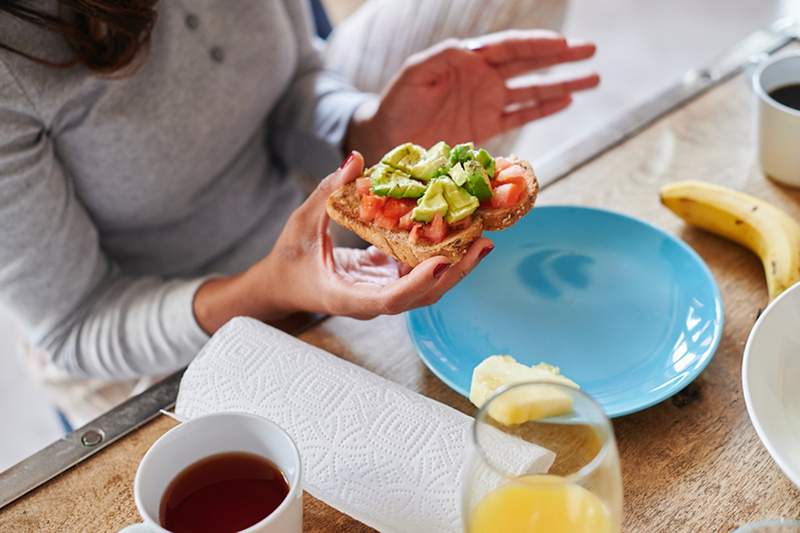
(181, 316)
(335, 112)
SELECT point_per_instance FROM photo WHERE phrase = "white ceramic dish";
(771, 380)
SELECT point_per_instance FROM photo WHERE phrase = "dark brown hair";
(108, 36)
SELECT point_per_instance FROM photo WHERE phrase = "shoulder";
(21, 79)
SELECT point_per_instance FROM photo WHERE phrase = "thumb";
(351, 168)
(311, 215)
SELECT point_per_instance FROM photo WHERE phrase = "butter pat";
(523, 404)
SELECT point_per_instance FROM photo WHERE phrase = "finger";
(378, 256)
(312, 211)
(550, 91)
(575, 52)
(366, 300)
(517, 118)
(407, 291)
(458, 271)
(511, 45)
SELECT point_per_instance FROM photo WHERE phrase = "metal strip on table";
(138, 410)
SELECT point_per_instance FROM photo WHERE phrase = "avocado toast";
(418, 203)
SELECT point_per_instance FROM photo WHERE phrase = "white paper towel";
(377, 451)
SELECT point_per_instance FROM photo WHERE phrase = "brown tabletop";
(691, 463)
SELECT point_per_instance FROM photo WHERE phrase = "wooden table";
(691, 463)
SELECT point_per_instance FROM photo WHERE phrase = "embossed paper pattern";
(371, 448)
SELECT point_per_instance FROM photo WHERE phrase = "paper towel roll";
(377, 451)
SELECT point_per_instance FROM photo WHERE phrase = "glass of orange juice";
(543, 459)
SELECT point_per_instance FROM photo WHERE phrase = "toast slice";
(343, 207)
(497, 219)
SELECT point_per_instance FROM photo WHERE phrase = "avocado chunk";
(477, 182)
(387, 181)
(431, 204)
(460, 203)
(399, 188)
(436, 157)
(486, 160)
(458, 174)
(462, 153)
(403, 157)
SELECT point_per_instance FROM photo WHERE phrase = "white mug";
(207, 435)
(778, 126)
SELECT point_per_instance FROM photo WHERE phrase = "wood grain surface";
(692, 463)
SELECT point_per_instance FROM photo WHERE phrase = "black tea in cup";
(223, 492)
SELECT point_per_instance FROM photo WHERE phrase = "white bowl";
(771, 380)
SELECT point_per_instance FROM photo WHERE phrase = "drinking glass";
(557, 473)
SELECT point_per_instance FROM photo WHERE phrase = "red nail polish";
(440, 269)
(485, 252)
(346, 160)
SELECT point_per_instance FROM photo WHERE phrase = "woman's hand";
(457, 91)
(305, 272)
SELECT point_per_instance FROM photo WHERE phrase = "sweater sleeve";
(73, 301)
(310, 122)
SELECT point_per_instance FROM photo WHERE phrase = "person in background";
(146, 149)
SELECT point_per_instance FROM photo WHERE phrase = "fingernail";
(440, 269)
(346, 160)
(485, 252)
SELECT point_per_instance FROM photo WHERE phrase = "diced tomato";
(519, 180)
(500, 164)
(363, 186)
(370, 207)
(513, 171)
(436, 230)
(382, 221)
(507, 195)
(406, 222)
(395, 208)
(415, 235)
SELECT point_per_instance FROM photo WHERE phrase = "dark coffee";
(788, 95)
(222, 493)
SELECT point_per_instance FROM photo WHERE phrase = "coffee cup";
(207, 436)
(777, 123)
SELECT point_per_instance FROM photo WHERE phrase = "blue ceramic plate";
(626, 310)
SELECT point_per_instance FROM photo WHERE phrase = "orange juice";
(540, 504)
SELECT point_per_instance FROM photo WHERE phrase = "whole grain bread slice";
(497, 219)
(343, 207)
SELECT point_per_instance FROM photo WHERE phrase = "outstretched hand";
(458, 91)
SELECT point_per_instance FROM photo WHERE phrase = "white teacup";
(777, 125)
(196, 439)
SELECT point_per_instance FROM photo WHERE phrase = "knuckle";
(325, 186)
(289, 252)
(390, 306)
(297, 218)
(430, 300)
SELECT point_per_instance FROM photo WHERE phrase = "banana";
(763, 228)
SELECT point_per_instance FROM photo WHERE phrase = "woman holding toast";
(145, 149)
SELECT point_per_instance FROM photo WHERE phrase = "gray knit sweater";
(118, 195)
